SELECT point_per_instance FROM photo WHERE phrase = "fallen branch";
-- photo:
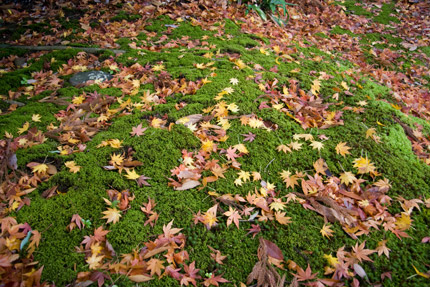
(51, 48)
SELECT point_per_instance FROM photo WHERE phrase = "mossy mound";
(160, 151)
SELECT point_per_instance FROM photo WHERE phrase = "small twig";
(268, 164)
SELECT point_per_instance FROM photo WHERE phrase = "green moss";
(160, 151)
(385, 16)
(122, 15)
(354, 7)
(340, 30)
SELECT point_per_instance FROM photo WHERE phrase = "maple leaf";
(138, 130)
(214, 280)
(360, 253)
(112, 215)
(364, 165)
(158, 68)
(233, 216)
(192, 274)
(254, 230)
(40, 168)
(244, 175)
(404, 222)
(78, 100)
(303, 275)
(255, 123)
(277, 205)
(155, 266)
(216, 255)
(35, 118)
(77, 220)
(100, 234)
(234, 81)
(249, 137)
(383, 184)
(116, 159)
(317, 145)
(342, 149)
(295, 145)
(256, 176)
(241, 148)
(209, 218)
(326, 230)
(142, 181)
(240, 64)
(169, 231)
(131, 174)
(231, 153)
(72, 166)
(281, 218)
(382, 248)
(283, 148)
(316, 86)
(290, 180)
(347, 178)
(94, 261)
(332, 261)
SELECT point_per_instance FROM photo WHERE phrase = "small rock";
(20, 62)
(82, 78)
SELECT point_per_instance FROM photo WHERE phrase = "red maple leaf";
(214, 280)
(249, 137)
(137, 131)
(231, 153)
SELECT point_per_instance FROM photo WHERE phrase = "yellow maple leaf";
(295, 145)
(316, 86)
(240, 64)
(317, 145)
(24, 128)
(115, 143)
(326, 230)
(264, 52)
(241, 148)
(364, 165)
(35, 118)
(158, 68)
(131, 174)
(332, 261)
(281, 218)
(404, 222)
(342, 149)
(255, 123)
(277, 206)
(116, 159)
(40, 168)
(72, 166)
(112, 215)
(244, 175)
(344, 85)
(94, 261)
(208, 145)
(347, 178)
(78, 100)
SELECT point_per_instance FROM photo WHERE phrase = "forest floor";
(223, 150)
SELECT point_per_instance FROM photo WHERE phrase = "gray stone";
(82, 78)
(20, 62)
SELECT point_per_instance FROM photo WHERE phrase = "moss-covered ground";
(365, 104)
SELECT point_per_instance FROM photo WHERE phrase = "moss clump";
(385, 16)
